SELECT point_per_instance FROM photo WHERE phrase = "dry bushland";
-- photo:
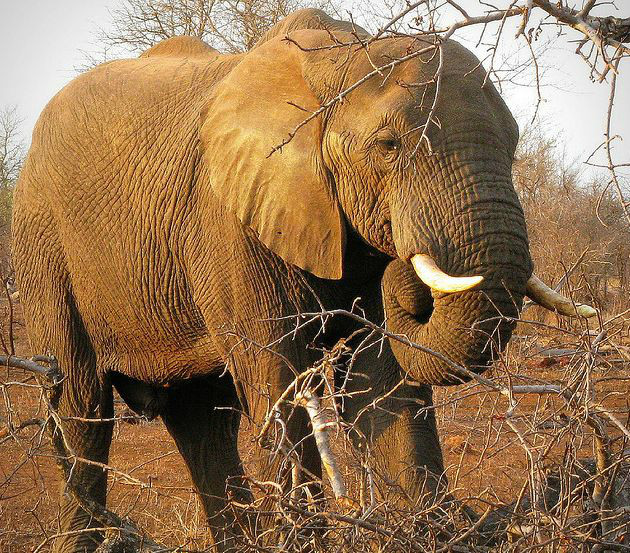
(538, 449)
(575, 223)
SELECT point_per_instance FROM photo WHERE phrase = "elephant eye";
(389, 145)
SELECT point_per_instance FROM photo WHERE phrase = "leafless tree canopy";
(573, 218)
(12, 153)
(231, 25)
(11, 147)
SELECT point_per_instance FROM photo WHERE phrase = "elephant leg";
(203, 416)
(396, 429)
(84, 396)
(298, 456)
(56, 327)
(294, 433)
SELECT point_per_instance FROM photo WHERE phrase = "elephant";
(177, 211)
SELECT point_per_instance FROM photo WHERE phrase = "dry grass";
(568, 450)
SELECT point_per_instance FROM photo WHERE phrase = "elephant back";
(181, 47)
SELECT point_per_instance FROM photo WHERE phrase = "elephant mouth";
(465, 320)
(540, 293)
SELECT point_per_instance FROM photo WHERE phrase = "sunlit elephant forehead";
(410, 62)
(383, 103)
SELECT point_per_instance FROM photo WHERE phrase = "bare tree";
(229, 25)
(12, 153)
(557, 196)
(11, 147)
(513, 38)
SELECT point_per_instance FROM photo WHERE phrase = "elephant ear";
(285, 194)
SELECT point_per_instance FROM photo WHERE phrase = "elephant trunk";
(483, 234)
(467, 328)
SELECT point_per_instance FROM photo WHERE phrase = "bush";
(573, 219)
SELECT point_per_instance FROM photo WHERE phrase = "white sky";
(41, 41)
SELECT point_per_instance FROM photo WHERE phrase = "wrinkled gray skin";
(156, 242)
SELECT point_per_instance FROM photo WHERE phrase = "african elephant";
(170, 220)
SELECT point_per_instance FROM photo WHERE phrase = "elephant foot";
(75, 534)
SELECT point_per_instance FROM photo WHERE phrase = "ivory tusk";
(541, 294)
(429, 273)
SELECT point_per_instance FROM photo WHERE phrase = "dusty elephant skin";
(156, 241)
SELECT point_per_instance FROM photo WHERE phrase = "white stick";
(320, 424)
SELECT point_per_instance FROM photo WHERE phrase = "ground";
(485, 458)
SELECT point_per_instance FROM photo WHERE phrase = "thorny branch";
(566, 498)
(607, 37)
(575, 500)
(579, 399)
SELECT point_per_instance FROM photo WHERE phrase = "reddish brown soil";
(482, 455)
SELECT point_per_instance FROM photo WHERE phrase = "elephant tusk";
(434, 278)
(541, 294)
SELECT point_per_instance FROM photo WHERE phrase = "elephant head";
(413, 156)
